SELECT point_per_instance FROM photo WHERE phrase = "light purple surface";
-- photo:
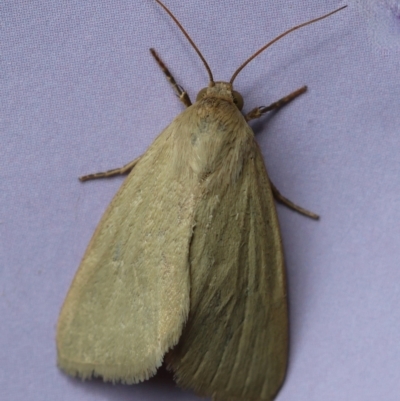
(80, 93)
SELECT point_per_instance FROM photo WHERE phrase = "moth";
(186, 265)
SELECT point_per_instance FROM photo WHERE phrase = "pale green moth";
(186, 264)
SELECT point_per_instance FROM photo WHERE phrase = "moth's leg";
(280, 198)
(183, 96)
(111, 173)
(259, 111)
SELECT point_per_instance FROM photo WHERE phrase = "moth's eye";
(201, 94)
(238, 100)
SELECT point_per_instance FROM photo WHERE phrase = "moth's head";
(222, 90)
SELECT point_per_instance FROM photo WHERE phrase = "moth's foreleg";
(280, 198)
(183, 96)
(111, 173)
(259, 111)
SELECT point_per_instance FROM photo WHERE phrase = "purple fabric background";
(80, 93)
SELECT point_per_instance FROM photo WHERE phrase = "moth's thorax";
(212, 138)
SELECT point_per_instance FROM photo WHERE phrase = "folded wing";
(234, 345)
(130, 297)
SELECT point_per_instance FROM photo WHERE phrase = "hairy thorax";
(214, 137)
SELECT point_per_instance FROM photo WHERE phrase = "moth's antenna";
(189, 39)
(277, 38)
